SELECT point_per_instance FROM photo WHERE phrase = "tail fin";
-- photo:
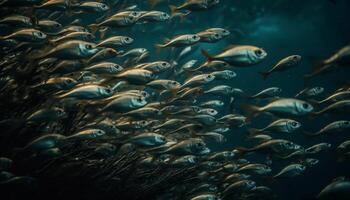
(93, 27)
(173, 10)
(252, 111)
(103, 32)
(254, 131)
(317, 65)
(241, 151)
(158, 48)
(264, 75)
(207, 55)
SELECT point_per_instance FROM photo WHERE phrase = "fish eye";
(57, 25)
(88, 46)
(305, 105)
(164, 64)
(110, 51)
(108, 90)
(258, 52)
(295, 57)
(347, 123)
(127, 39)
(139, 100)
(294, 124)
(217, 35)
(69, 81)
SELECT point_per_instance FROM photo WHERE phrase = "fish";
(317, 148)
(105, 68)
(334, 127)
(191, 5)
(290, 171)
(116, 41)
(338, 189)
(87, 92)
(267, 93)
(283, 65)
(341, 57)
(179, 41)
(238, 55)
(280, 125)
(148, 140)
(342, 95)
(310, 92)
(194, 146)
(275, 146)
(27, 35)
(286, 106)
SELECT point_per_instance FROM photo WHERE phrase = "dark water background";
(312, 29)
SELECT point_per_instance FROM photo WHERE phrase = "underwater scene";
(175, 99)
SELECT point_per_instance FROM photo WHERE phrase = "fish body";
(239, 56)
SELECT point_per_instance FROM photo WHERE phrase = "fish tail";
(252, 111)
(103, 32)
(207, 55)
(158, 47)
(93, 27)
(241, 151)
(317, 65)
(253, 131)
(173, 10)
(264, 75)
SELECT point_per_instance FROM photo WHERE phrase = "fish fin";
(183, 17)
(93, 27)
(173, 10)
(264, 75)
(317, 65)
(254, 131)
(252, 111)
(241, 151)
(103, 32)
(158, 47)
(207, 55)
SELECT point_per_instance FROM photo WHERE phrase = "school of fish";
(81, 105)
